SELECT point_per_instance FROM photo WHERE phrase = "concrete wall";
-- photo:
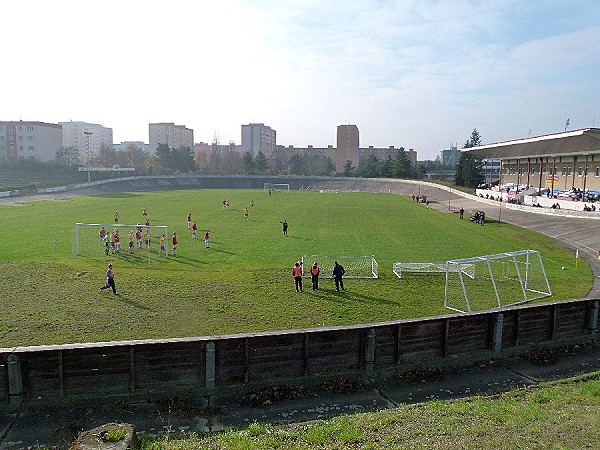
(213, 364)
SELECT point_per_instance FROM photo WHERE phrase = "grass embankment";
(24, 174)
(243, 283)
(560, 415)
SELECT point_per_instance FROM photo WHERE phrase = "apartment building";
(37, 141)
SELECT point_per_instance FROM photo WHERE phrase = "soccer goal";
(495, 281)
(354, 266)
(430, 267)
(87, 243)
(276, 187)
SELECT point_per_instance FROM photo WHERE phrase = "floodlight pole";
(87, 137)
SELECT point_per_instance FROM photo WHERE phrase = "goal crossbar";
(276, 187)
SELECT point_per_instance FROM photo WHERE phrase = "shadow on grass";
(346, 296)
(186, 261)
(222, 251)
(123, 299)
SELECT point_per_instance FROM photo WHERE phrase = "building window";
(580, 171)
(532, 171)
(29, 128)
(31, 149)
(20, 128)
(564, 171)
(20, 138)
(569, 170)
(597, 172)
(20, 148)
(30, 138)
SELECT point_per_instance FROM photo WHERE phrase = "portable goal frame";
(355, 266)
(498, 281)
(75, 250)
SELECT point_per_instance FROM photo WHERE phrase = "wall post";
(370, 353)
(211, 370)
(593, 318)
(497, 333)
(15, 380)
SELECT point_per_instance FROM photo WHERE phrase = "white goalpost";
(276, 187)
(354, 266)
(86, 241)
(495, 281)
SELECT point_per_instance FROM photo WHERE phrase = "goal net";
(495, 281)
(423, 267)
(88, 244)
(354, 266)
(275, 187)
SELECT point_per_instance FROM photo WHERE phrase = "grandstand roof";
(578, 142)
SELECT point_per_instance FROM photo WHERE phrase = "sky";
(420, 74)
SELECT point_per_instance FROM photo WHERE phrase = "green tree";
(474, 140)
(369, 167)
(468, 171)
(182, 159)
(469, 168)
(386, 168)
(328, 167)
(349, 169)
(247, 164)
(261, 165)
(179, 159)
(401, 166)
(163, 153)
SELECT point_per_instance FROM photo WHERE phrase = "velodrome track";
(572, 230)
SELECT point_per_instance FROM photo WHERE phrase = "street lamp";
(87, 137)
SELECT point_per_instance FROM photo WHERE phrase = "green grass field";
(243, 283)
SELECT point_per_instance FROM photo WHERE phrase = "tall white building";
(37, 141)
(175, 136)
(87, 137)
(258, 137)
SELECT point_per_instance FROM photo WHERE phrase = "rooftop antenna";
(567, 124)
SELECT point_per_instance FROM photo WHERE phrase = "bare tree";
(67, 156)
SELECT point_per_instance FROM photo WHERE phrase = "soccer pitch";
(243, 282)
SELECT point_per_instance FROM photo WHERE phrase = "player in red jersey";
(174, 243)
(138, 237)
(102, 234)
(117, 239)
